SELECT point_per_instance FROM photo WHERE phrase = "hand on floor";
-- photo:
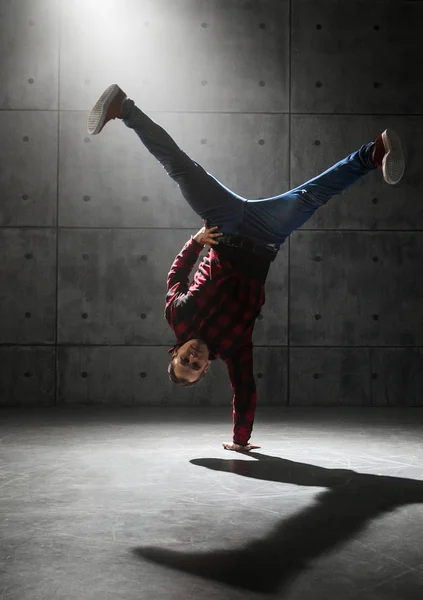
(238, 448)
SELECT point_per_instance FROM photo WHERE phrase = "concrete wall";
(264, 94)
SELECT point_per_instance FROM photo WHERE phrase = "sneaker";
(106, 108)
(388, 156)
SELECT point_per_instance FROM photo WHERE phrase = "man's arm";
(241, 374)
(179, 295)
(178, 276)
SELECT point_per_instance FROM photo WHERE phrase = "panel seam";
(56, 362)
(288, 327)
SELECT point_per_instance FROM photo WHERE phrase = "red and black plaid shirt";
(220, 306)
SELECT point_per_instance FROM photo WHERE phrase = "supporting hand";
(239, 448)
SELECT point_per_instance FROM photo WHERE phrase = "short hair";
(180, 380)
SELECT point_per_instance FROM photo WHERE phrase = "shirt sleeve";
(184, 301)
(241, 374)
(178, 276)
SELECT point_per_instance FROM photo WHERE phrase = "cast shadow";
(351, 501)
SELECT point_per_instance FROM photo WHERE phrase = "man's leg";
(206, 196)
(272, 220)
(178, 165)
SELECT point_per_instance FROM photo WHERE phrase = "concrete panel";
(27, 376)
(29, 48)
(113, 181)
(138, 376)
(118, 280)
(211, 55)
(397, 376)
(28, 174)
(318, 142)
(271, 374)
(329, 377)
(356, 56)
(271, 328)
(27, 286)
(356, 289)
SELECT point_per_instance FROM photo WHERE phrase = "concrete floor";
(145, 504)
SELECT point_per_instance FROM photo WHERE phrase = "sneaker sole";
(393, 163)
(97, 116)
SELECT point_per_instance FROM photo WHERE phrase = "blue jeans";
(265, 221)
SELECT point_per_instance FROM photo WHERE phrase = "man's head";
(189, 363)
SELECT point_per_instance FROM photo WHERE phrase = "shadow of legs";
(337, 514)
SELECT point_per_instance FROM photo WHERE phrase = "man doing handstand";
(214, 316)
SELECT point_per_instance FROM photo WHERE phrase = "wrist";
(194, 237)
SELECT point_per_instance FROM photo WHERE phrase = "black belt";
(237, 241)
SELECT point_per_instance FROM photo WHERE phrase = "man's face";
(191, 360)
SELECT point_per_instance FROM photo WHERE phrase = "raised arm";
(179, 296)
(178, 276)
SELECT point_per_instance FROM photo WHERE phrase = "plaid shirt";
(220, 306)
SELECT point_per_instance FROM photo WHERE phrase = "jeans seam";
(312, 196)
